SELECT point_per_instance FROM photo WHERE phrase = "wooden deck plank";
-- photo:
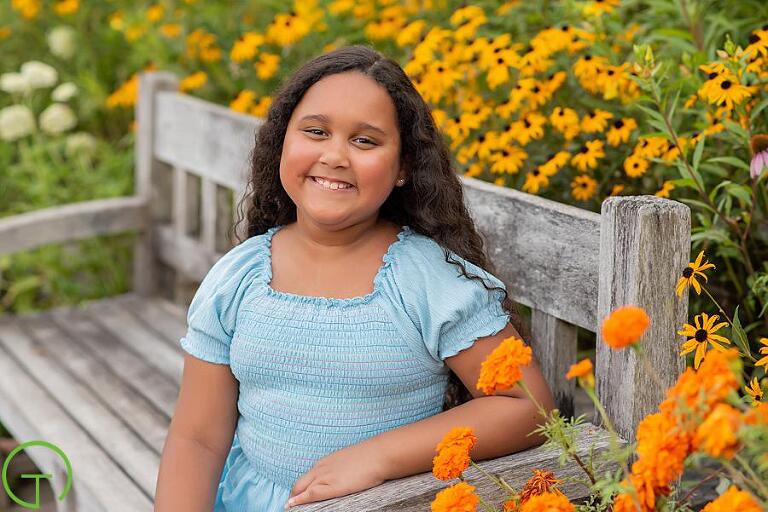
(120, 397)
(146, 343)
(126, 447)
(160, 390)
(30, 412)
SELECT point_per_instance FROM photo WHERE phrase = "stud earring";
(400, 181)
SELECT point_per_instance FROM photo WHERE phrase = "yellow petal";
(718, 327)
(696, 263)
(681, 286)
(688, 330)
(718, 338)
(699, 355)
(695, 285)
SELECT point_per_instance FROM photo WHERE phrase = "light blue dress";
(317, 374)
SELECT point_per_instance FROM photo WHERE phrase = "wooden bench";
(101, 380)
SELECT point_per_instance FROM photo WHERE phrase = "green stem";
(759, 483)
(717, 304)
(490, 476)
(608, 424)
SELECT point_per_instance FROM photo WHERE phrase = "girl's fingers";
(316, 492)
(302, 483)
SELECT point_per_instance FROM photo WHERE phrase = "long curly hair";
(431, 202)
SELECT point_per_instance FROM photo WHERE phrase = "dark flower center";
(535, 172)
(701, 335)
(583, 149)
(725, 85)
(753, 39)
(618, 124)
(587, 57)
(688, 272)
(712, 75)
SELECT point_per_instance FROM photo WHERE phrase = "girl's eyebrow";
(324, 119)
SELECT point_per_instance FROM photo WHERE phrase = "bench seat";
(100, 381)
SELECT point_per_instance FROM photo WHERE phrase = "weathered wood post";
(644, 246)
(150, 186)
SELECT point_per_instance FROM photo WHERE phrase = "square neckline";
(386, 259)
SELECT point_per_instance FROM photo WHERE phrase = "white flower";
(61, 40)
(39, 74)
(64, 92)
(15, 83)
(57, 118)
(16, 121)
(80, 143)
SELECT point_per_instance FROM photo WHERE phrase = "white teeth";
(330, 185)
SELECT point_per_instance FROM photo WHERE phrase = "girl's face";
(343, 129)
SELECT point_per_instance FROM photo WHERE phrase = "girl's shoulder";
(423, 260)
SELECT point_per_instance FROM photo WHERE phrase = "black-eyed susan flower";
(596, 121)
(759, 145)
(243, 101)
(583, 187)
(600, 7)
(620, 131)
(267, 65)
(758, 44)
(700, 334)
(566, 121)
(635, 166)
(66, 7)
(727, 92)
(617, 189)
(650, 147)
(666, 188)
(194, 81)
(763, 361)
(509, 160)
(531, 126)
(534, 180)
(587, 156)
(690, 272)
(287, 29)
(755, 391)
(554, 163)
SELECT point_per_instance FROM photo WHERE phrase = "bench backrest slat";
(570, 265)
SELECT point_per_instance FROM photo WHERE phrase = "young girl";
(321, 348)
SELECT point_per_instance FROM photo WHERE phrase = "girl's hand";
(346, 471)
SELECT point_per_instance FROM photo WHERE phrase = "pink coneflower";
(759, 145)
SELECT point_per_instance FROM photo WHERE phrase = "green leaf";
(672, 108)
(759, 108)
(730, 160)
(684, 182)
(698, 204)
(653, 114)
(738, 334)
(698, 152)
(741, 192)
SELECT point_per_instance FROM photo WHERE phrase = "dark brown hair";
(431, 202)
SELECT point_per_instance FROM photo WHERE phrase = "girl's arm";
(501, 422)
(199, 438)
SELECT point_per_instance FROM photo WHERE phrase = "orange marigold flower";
(733, 499)
(758, 415)
(457, 498)
(716, 436)
(662, 448)
(696, 392)
(625, 326)
(548, 502)
(463, 437)
(541, 482)
(580, 369)
(624, 503)
(501, 369)
(450, 463)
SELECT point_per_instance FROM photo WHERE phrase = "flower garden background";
(571, 100)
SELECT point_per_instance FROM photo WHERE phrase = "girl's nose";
(335, 155)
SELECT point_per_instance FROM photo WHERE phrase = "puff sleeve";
(449, 310)
(212, 312)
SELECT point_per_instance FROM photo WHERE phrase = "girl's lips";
(315, 183)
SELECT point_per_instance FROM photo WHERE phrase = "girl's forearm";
(501, 424)
(188, 477)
